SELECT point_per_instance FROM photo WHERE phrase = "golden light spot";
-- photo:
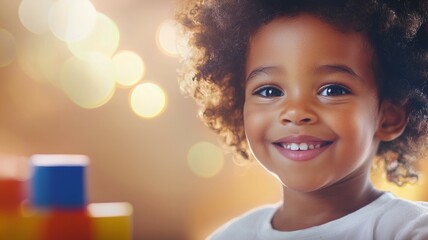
(205, 159)
(411, 191)
(103, 39)
(72, 20)
(88, 81)
(129, 68)
(7, 48)
(34, 15)
(171, 40)
(147, 100)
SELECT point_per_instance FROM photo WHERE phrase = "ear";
(392, 122)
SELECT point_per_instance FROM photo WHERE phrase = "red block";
(67, 225)
(12, 193)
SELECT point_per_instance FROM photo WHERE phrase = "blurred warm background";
(100, 78)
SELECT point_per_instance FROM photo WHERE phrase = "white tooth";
(318, 146)
(311, 146)
(303, 146)
(294, 147)
(285, 145)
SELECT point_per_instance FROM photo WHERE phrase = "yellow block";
(111, 220)
(14, 225)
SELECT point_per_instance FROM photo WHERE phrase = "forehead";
(306, 39)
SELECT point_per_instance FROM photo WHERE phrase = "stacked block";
(52, 204)
(111, 220)
(13, 225)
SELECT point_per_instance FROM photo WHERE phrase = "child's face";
(312, 88)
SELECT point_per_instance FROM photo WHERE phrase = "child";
(314, 91)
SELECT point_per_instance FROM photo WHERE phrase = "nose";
(298, 113)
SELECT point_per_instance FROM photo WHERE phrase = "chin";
(303, 187)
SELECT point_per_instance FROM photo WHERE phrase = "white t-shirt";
(387, 217)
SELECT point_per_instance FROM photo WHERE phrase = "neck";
(302, 210)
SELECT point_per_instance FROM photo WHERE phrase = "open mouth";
(303, 146)
(302, 150)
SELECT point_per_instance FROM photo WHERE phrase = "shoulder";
(417, 216)
(246, 225)
(407, 219)
(407, 207)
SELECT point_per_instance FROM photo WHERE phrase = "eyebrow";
(340, 68)
(263, 69)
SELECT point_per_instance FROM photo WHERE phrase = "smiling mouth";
(303, 146)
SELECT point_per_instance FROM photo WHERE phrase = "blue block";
(58, 181)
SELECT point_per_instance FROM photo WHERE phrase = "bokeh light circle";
(167, 37)
(147, 100)
(129, 68)
(33, 14)
(205, 159)
(103, 39)
(72, 20)
(172, 40)
(7, 47)
(88, 81)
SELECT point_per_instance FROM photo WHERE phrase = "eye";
(334, 90)
(268, 92)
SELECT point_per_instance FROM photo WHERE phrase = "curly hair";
(396, 29)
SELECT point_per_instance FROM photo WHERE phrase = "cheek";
(256, 124)
(356, 125)
(251, 121)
